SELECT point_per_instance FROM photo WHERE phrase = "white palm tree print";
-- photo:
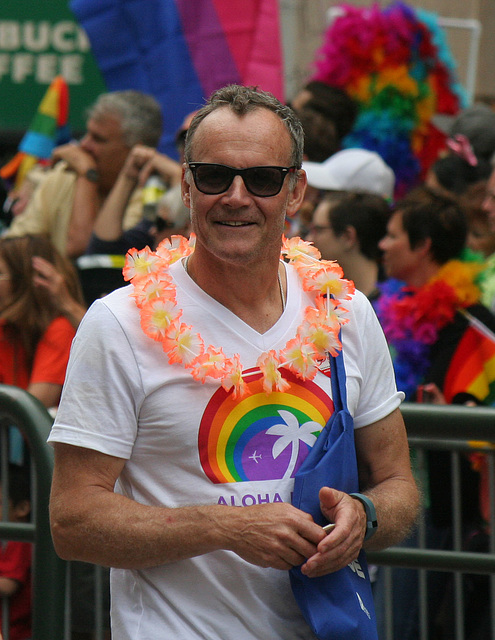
(291, 434)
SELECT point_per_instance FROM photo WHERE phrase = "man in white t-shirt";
(198, 390)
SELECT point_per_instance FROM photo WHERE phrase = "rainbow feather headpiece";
(396, 63)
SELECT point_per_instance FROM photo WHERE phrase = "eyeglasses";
(316, 228)
(263, 182)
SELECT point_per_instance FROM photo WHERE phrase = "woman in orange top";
(35, 335)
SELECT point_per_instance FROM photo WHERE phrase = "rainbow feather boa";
(412, 318)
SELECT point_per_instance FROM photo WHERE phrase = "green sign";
(40, 39)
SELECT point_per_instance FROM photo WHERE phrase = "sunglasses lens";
(264, 181)
(213, 178)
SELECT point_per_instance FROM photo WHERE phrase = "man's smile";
(234, 223)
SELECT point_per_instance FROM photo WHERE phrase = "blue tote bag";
(339, 605)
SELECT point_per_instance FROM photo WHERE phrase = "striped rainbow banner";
(180, 51)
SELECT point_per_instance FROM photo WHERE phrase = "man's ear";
(185, 188)
(424, 246)
(296, 196)
(349, 237)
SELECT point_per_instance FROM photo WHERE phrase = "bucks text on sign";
(40, 51)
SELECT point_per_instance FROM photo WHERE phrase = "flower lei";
(412, 318)
(155, 295)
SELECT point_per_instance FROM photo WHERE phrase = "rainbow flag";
(180, 51)
(472, 367)
(48, 129)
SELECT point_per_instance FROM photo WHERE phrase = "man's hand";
(270, 535)
(76, 158)
(343, 544)
(47, 276)
(143, 161)
(139, 156)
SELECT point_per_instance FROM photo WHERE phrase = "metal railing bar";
(491, 493)
(449, 421)
(423, 603)
(389, 609)
(458, 607)
(21, 531)
(452, 445)
(457, 539)
(464, 561)
(98, 598)
(422, 577)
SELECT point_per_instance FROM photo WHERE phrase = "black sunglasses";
(263, 182)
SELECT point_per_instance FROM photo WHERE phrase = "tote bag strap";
(338, 378)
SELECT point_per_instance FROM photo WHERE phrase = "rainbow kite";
(48, 129)
(180, 51)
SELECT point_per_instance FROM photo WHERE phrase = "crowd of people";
(155, 447)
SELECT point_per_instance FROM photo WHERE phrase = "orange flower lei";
(155, 295)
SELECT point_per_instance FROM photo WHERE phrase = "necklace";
(280, 286)
(155, 295)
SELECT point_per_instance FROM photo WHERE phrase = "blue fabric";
(141, 45)
(339, 605)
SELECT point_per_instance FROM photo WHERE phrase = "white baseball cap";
(356, 170)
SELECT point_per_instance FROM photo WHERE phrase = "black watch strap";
(92, 175)
(371, 521)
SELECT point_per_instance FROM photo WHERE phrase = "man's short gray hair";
(242, 100)
(140, 115)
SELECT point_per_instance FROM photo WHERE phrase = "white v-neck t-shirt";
(187, 443)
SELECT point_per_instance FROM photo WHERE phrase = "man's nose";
(237, 190)
(486, 205)
(86, 143)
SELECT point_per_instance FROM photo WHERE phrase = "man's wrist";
(369, 507)
(91, 175)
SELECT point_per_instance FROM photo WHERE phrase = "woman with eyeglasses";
(35, 335)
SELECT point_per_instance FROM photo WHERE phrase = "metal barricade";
(456, 429)
(53, 579)
(18, 408)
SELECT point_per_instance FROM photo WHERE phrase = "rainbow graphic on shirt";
(260, 436)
